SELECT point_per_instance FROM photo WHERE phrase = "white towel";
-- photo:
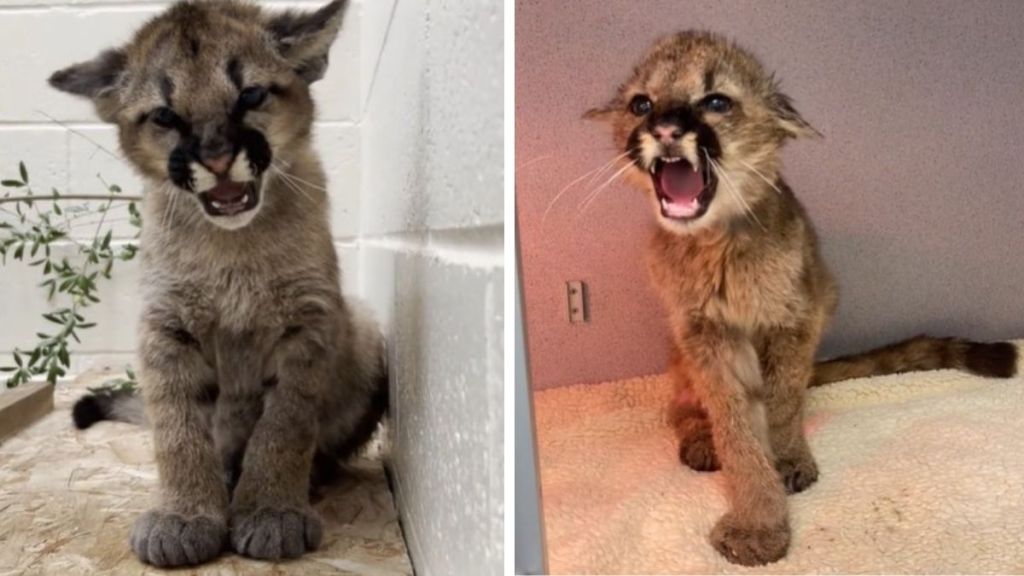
(919, 473)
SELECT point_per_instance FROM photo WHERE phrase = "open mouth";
(229, 198)
(684, 191)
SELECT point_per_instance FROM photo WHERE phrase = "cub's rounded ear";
(790, 122)
(304, 38)
(603, 114)
(94, 79)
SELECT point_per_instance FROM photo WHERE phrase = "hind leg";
(787, 360)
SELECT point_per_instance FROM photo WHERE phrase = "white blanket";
(920, 473)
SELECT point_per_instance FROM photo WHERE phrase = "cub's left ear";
(304, 38)
(789, 120)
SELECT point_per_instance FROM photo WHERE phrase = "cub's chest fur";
(729, 278)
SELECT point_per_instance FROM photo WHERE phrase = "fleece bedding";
(919, 473)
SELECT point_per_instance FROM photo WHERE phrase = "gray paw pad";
(270, 534)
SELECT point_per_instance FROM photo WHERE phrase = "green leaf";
(8, 369)
(24, 172)
(12, 184)
(17, 359)
(106, 239)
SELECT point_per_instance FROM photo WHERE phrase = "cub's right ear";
(599, 114)
(98, 80)
(93, 79)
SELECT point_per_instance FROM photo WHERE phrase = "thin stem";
(112, 198)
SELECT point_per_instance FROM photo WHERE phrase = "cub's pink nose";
(219, 165)
(667, 133)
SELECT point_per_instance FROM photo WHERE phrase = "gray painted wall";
(917, 189)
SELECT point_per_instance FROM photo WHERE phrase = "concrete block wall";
(410, 127)
(431, 254)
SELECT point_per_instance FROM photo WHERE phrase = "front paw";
(166, 539)
(749, 545)
(698, 453)
(797, 473)
(271, 534)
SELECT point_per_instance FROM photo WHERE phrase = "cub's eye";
(164, 117)
(252, 97)
(717, 103)
(640, 105)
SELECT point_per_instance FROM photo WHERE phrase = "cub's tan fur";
(253, 365)
(743, 281)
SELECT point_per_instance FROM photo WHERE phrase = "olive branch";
(29, 232)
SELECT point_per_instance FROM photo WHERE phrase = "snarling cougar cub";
(736, 262)
(257, 374)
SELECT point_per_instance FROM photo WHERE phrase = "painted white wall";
(410, 125)
(431, 253)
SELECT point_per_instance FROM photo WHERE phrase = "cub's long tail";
(116, 404)
(994, 359)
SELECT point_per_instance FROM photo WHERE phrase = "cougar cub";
(253, 365)
(736, 262)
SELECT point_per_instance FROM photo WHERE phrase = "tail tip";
(994, 360)
(87, 411)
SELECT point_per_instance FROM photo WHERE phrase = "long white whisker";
(763, 177)
(563, 191)
(306, 182)
(607, 167)
(534, 161)
(743, 203)
(576, 181)
(292, 185)
(593, 196)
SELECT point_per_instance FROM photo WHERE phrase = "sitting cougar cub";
(253, 365)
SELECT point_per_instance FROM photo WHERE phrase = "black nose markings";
(684, 120)
(190, 149)
(681, 118)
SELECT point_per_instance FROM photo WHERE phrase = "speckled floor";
(68, 499)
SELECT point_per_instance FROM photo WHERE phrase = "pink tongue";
(680, 182)
(227, 191)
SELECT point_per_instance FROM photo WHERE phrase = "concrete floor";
(68, 499)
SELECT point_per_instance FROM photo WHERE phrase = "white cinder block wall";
(410, 128)
(431, 254)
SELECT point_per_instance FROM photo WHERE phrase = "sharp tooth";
(245, 198)
(216, 204)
